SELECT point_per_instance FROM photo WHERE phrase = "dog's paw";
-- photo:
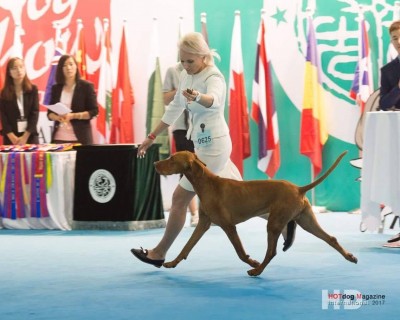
(254, 272)
(351, 258)
(171, 264)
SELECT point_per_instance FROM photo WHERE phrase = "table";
(38, 192)
(381, 166)
(56, 204)
(114, 189)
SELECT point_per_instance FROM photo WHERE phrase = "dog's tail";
(307, 187)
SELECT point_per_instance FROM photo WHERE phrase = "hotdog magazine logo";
(336, 25)
(350, 299)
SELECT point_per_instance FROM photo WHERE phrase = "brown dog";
(227, 202)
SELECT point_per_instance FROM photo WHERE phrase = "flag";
(155, 102)
(80, 54)
(203, 21)
(53, 66)
(122, 100)
(362, 86)
(313, 132)
(263, 110)
(104, 90)
(238, 113)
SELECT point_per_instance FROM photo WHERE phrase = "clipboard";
(59, 108)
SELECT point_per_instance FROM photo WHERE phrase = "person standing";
(19, 106)
(80, 97)
(180, 127)
(202, 92)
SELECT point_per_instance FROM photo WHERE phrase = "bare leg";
(176, 221)
(193, 206)
(194, 212)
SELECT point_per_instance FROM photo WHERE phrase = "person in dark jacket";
(77, 94)
(19, 106)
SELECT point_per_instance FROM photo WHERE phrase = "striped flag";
(362, 86)
(155, 101)
(105, 85)
(80, 54)
(122, 100)
(313, 132)
(263, 110)
(238, 113)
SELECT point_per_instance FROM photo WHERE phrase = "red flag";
(313, 132)
(238, 113)
(80, 55)
(263, 110)
(122, 100)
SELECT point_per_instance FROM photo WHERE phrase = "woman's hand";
(13, 138)
(143, 147)
(190, 94)
(24, 138)
(68, 117)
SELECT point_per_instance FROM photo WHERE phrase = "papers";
(59, 108)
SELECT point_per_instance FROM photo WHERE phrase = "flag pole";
(316, 209)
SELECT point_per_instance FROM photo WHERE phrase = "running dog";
(227, 202)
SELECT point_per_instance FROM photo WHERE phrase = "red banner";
(37, 19)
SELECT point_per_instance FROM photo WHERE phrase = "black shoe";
(141, 254)
(394, 239)
(291, 233)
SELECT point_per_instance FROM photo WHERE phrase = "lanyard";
(20, 102)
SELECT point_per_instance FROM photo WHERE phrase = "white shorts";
(217, 158)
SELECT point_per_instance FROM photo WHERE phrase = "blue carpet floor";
(92, 275)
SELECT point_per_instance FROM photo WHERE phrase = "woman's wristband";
(151, 136)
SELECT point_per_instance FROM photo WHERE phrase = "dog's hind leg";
(233, 236)
(288, 232)
(308, 222)
(202, 226)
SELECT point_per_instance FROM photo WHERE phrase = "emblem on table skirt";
(102, 186)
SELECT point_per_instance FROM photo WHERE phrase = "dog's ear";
(197, 158)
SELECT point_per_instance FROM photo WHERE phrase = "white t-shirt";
(171, 82)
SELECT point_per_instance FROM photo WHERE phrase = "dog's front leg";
(231, 232)
(274, 229)
(202, 226)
